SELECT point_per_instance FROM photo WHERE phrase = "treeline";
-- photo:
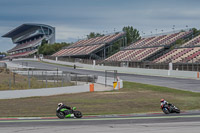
(3, 53)
(49, 49)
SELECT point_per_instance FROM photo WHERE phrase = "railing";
(165, 33)
(195, 66)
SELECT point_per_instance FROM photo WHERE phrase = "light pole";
(143, 33)
(186, 26)
(156, 31)
(173, 28)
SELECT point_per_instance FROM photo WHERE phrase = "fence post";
(57, 75)
(87, 78)
(42, 78)
(46, 79)
(29, 85)
(76, 78)
(9, 83)
(105, 78)
(14, 77)
(62, 80)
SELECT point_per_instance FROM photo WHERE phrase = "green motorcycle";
(65, 113)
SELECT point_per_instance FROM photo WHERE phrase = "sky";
(74, 19)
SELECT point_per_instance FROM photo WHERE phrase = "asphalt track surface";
(177, 83)
(118, 123)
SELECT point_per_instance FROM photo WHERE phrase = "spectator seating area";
(26, 45)
(25, 49)
(22, 54)
(186, 53)
(133, 54)
(146, 47)
(84, 50)
(88, 46)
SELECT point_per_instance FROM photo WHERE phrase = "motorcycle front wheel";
(78, 114)
(165, 110)
(177, 111)
(60, 115)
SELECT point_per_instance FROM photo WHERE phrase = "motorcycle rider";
(163, 102)
(61, 106)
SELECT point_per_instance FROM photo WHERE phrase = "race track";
(145, 123)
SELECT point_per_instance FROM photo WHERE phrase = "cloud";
(75, 19)
(64, 32)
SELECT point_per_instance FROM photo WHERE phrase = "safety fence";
(27, 78)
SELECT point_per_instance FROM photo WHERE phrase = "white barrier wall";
(43, 92)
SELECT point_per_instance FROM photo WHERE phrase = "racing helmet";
(60, 104)
(162, 100)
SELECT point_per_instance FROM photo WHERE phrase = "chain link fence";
(27, 78)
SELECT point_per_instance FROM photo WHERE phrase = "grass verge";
(59, 64)
(11, 81)
(133, 98)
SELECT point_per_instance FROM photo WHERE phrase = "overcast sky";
(74, 19)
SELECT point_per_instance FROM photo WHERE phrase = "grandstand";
(93, 48)
(28, 37)
(149, 48)
(188, 52)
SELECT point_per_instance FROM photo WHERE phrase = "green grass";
(133, 98)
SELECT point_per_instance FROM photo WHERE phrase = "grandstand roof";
(24, 27)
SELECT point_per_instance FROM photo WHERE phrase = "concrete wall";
(43, 92)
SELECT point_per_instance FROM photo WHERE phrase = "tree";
(3, 53)
(195, 32)
(93, 35)
(49, 49)
(131, 34)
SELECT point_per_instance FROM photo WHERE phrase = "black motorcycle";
(169, 108)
